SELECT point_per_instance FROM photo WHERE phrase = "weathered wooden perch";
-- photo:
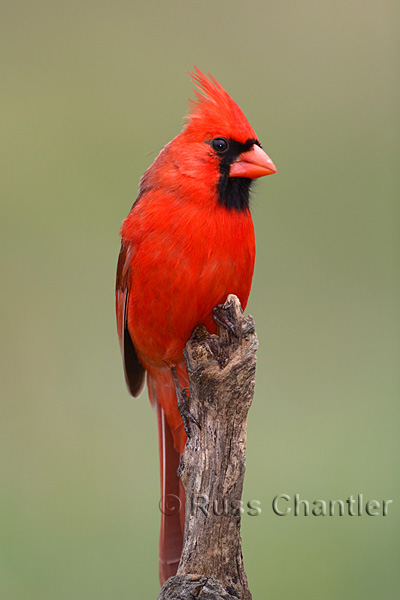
(222, 376)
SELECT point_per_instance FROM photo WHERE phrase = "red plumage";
(186, 244)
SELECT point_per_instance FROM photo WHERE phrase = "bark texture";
(222, 377)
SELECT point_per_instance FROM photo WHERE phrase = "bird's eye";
(220, 145)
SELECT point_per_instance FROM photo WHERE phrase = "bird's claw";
(221, 319)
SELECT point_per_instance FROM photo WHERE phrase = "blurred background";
(91, 90)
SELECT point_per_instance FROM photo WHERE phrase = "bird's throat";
(234, 192)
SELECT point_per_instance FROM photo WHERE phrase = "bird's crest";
(213, 112)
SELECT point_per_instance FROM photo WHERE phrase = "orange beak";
(252, 164)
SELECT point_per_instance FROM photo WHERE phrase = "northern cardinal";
(186, 244)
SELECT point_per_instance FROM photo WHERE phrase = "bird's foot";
(221, 318)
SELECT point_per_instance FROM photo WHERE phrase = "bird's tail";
(171, 438)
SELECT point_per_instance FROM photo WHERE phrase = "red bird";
(186, 244)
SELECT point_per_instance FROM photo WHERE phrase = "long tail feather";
(171, 443)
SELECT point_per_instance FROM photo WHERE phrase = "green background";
(90, 91)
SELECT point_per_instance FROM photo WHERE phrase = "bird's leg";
(182, 397)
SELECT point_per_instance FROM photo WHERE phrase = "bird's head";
(217, 149)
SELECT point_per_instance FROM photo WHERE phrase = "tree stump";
(222, 377)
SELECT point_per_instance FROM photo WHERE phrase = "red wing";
(133, 369)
